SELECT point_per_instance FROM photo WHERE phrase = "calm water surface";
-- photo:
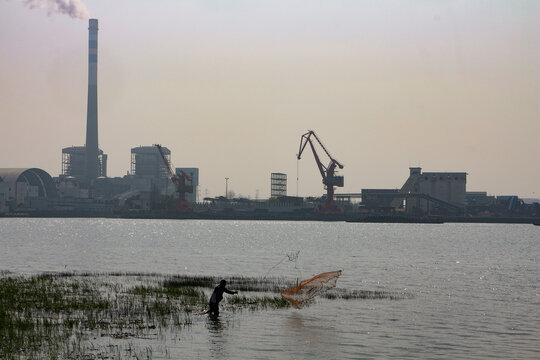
(473, 288)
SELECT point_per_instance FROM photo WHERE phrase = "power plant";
(84, 189)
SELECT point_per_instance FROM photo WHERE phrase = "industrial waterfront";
(155, 188)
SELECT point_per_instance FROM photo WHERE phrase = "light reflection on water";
(474, 288)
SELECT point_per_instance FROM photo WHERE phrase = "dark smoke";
(73, 8)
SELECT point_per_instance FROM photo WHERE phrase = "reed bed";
(346, 294)
(240, 283)
(63, 316)
(103, 315)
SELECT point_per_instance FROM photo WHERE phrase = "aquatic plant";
(259, 302)
(240, 283)
(54, 316)
(346, 294)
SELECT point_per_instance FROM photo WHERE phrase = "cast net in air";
(307, 289)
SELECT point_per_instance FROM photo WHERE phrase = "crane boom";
(166, 162)
(329, 178)
(179, 181)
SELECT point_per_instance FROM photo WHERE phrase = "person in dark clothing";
(217, 296)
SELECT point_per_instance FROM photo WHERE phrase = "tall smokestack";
(92, 161)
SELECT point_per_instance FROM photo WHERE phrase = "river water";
(472, 289)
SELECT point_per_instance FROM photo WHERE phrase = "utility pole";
(226, 188)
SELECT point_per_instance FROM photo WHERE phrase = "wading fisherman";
(217, 296)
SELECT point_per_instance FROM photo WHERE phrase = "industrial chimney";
(87, 163)
(92, 150)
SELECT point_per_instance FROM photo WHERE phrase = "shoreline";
(275, 216)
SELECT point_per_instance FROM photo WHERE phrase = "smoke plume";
(73, 8)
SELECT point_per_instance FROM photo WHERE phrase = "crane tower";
(329, 178)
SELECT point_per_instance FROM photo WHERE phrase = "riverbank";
(274, 216)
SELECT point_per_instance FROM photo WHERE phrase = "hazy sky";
(230, 86)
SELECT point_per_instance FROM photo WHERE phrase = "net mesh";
(307, 289)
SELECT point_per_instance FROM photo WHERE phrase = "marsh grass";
(54, 315)
(254, 284)
(346, 294)
(259, 302)
(98, 315)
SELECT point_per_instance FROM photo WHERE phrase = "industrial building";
(479, 198)
(380, 198)
(148, 168)
(28, 188)
(427, 191)
(278, 184)
(74, 163)
(423, 193)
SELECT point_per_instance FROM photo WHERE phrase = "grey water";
(472, 289)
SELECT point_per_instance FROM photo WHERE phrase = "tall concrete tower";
(92, 150)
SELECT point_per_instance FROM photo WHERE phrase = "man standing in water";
(217, 296)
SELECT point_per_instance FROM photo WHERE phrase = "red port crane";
(329, 179)
(179, 181)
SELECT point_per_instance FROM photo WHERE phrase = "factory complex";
(154, 188)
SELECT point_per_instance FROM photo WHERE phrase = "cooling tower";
(92, 150)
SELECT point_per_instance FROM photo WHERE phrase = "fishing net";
(292, 256)
(307, 289)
